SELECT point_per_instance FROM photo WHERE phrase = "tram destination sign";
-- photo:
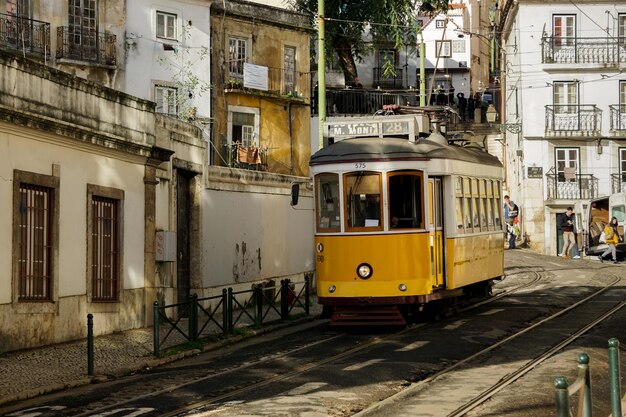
(374, 128)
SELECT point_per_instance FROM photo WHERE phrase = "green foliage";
(392, 21)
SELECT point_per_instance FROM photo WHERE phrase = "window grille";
(104, 247)
(35, 243)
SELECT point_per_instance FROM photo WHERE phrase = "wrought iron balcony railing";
(573, 120)
(86, 45)
(581, 187)
(361, 101)
(575, 50)
(24, 34)
(392, 81)
(618, 183)
(618, 119)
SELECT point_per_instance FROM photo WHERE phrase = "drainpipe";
(321, 72)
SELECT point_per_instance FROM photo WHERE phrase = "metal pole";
(193, 317)
(284, 307)
(258, 300)
(562, 397)
(225, 311)
(229, 310)
(321, 71)
(307, 293)
(583, 369)
(616, 390)
(155, 328)
(90, 344)
(422, 70)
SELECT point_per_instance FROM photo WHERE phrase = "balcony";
(573, 120)
(25, 35)
(618, 120)
(86, 45)
(362, 101)
(290, 85)
(582, 187)
(383, 81)
(574, 50)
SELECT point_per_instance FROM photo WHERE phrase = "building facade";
(563, 113)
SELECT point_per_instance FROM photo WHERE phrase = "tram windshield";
(363, 202)
(327, 201)
(406, 200)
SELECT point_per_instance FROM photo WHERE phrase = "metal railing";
(290, 84)
(582, 187)
(86, 45)
(362, 101)
(618, 183)
(24, 34)
(618, 118)
(196, 318)
(573, 120)
(582, 386)
(392, 81)
(575, 50)
(246, 157)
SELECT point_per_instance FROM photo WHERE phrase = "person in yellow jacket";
(612, 239)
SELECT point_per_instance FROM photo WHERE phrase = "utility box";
(165, 246)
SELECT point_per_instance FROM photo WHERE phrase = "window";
(475, 212)
(567, 163)
(622, 97)
(35, 236)
(497, 204)
(104, 245)
(621, 22)
(166, 99)
(565, 97)
(363, 203)
(490, 204)
(289, 68)
(622, 166)
(564, 30)
(386, 57)
(166, 25)
(467, 204)
(83, 27)
(237, 56)
(482, 205)
(458, 46)
(440, 23)
(443, 49)
(405, 200)
(243, 128)
(458, 204)
(327, 202)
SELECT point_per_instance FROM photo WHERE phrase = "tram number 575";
(359, 165)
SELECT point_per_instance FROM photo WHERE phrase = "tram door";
(435, 227)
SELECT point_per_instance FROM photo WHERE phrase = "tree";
(347, 20)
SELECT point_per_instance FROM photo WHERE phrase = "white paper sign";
(254, 76)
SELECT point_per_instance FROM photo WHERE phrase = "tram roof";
(368, 149)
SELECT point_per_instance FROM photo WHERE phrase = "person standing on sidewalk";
(511, 213)
(566, 224)
(612, 236)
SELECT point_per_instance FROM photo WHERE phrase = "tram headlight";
(402, 287)
(364, 271)
(332, 289)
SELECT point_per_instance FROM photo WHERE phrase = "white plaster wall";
(278, 239)
(144, 50)
(77, 169)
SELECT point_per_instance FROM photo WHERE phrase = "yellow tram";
(403, 223)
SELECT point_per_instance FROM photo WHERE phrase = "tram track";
(511, 376)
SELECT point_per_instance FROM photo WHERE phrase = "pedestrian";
(511, 214)
(566, 224)
(612, 238)
(471, 105)
(462, 105)
(451, 95)
(441, 97)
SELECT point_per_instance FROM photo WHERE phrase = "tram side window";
(475, 205)
(483, 205)
(467, 203)
(489, 203)
(458, 203)
(327, 195)
(497, 204)
(406, 200)
(363, 202)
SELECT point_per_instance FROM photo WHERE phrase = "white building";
(565, 93)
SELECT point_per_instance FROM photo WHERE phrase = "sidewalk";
(33, 372)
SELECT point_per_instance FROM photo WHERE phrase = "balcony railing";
(618, 119)
(573, 120)
(280, 82)
(392, 81)
(618, 183)
(86, 45)
(582, 187)
(574, 50)
(362, 101)
(24, 34)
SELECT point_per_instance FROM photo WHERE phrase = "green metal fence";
(199, 318)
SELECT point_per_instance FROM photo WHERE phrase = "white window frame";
(165, 107)
(443, 49)
(567, 24)
(253, 138)
(565, 93)
(621, 27)
(166, 17)
(568, 162)
(235, 72)
(440, 23)
(458, 46)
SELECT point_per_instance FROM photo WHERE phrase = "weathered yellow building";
(261, 87)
